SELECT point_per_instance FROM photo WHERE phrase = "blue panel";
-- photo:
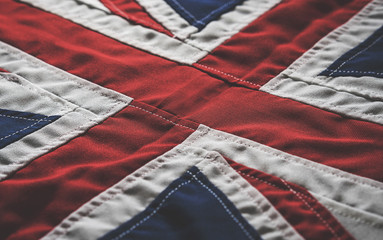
(15, 125)
(192, 208)
(364, 60)
(200, 12)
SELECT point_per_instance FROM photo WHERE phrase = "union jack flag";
(191, 119)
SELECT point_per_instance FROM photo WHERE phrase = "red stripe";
(309, 218)
(132, 11)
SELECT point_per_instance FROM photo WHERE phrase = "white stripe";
(215, 32)
(95, 3)
(348, 191)
(49, 91)
(356, 97)
(120, 29)
(169, 18)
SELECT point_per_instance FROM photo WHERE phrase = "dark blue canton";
(15, 125)
(200, 12)
(364, 60)
(192, 208)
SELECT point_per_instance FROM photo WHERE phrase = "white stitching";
(176, 189)
(23, 118)
(269, 217)
(287, 159)
(353, 71)
(95, 204)
(15, 80)
(356, 219)
(227, 74)
(356, 54)
(187, 12)
(32, 61)
(132, 18)
(153, 212)
(216, 10)
(312, 210)
(21, 130)
(160, 117)
(223, 205)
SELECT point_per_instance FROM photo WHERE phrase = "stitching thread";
(153, 212)
(32, 61)
(175, 190)
(23, 118)
(21, 130)
(216, 10)
(258, 202)
(356, 219)
(287, 159)
(312, 210)
(174, 123)
(187, 12)
(227, 74)
(223, 205)
(335, 35)
(354, 71)
(132, 18)
(110, 195)
(15, 80)
(356, 54)
(273, 185)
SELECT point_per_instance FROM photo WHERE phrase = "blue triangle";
(191, 207)
(366, 59)
(200, 12)
(15, 125)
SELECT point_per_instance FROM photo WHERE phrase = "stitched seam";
(343, 88)
(271, 184)
(23, 118)
(359, 52)
(327, 104)
(109, 30)
(280, 156)
(14, 80)
(54, 143)
(187, 12)
(153, 212)
(216, 10)
(223, 205)
(310, 54)
(30, 60)
(355, 71)
(277, 226)
(137, 20)
(313, 210)
(21, 130)
(357, 219)
(174, 123)
(110, 195)
(227, 74)
(175, 190)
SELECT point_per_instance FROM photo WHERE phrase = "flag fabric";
(181, 119)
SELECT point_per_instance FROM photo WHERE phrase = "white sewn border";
(215, 32)
(356, 97)
(120, 29)
(76, 101)
(351, 193)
